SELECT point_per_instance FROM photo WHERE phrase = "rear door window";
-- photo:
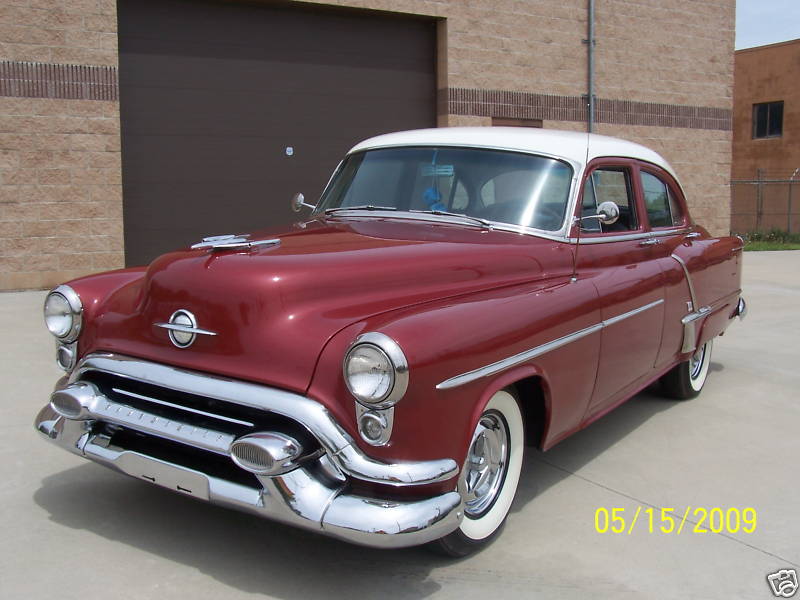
(663, 209)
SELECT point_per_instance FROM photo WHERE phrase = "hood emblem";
(226, 242)
(182, 328)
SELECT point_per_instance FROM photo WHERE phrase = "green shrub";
(774, 235)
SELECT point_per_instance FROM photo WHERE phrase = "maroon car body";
(571, 321)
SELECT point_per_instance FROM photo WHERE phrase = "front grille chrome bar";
(337, 443)
(83, 401)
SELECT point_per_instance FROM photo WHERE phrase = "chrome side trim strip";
(632, 313)
(183, 408)
(527, 355)
(184, 328)
(339, 445)
(511, 361)
(692, 295)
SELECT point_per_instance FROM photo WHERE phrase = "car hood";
(272, 308)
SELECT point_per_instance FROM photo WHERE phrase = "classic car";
(374, 371)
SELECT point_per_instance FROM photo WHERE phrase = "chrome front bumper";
(312, 496)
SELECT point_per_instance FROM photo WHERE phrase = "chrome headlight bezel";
(399, 365)
(76, 313)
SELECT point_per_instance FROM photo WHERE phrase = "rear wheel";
(686, 380)
(489, 477)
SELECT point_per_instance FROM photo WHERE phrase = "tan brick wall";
(702, 160)
(82, 32)
(671, 51)
(60, 190)
(60, 193)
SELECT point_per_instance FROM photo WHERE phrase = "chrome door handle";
(694, 234)
(650, 242)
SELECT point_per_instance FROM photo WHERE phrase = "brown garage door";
(212, 96)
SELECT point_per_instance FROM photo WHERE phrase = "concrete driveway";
(72, 529)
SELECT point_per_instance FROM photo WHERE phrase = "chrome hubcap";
(696, 362)
(486, 464)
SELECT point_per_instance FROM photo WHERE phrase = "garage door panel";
(297, 34)
(212, 94)
(192, 112)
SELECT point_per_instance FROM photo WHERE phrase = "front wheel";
(489, 477)
(686, 380)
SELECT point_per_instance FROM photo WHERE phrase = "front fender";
(447, 338)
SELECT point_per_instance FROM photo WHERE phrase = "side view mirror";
(299, 201)
(607, 213)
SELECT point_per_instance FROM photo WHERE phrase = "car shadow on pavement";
(568, 456)
(259, 556)
(238, 550)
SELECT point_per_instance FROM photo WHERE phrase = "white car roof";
(567, 144)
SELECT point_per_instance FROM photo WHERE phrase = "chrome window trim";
(522, 357)
(339, 445)
(629, 236)
(433, 218)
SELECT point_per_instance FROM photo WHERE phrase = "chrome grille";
(198, 411)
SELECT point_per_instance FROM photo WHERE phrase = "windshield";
(505, 187)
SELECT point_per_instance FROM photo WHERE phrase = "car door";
(620, 261)
(673, 237)
(701, 273)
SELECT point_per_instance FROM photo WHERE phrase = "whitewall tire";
(490, 475)
(687, 379)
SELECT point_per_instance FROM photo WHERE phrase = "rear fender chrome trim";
(688, 276)
(527, 355)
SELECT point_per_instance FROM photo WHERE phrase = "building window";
(768, 119)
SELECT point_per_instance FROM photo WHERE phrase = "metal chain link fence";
(765, 205)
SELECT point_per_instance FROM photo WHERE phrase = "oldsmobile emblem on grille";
(182, 328)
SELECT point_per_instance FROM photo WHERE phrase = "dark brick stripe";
(84, 82)
(69, 82)
(525, 105)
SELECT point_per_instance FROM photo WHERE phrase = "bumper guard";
(311, 496)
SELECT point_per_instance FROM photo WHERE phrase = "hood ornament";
(225, 242)
(182, 328)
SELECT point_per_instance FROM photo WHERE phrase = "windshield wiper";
(444, 213)
(363, 207)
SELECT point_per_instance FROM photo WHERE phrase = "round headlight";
(62, 313)
(58, 315)
(376, 371)
(369, 373)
